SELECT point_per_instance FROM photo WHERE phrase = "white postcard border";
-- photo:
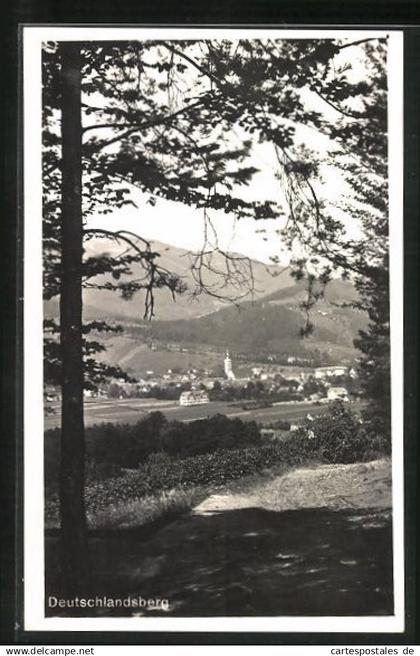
(34, 618)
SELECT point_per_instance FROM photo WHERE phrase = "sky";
(182, 226)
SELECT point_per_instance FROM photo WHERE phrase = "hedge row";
(113, 446)
(161, 472)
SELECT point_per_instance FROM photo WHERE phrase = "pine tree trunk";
(73, 545)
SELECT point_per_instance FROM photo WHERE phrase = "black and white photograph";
(213, 329)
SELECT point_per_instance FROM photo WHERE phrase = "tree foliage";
(359, 155)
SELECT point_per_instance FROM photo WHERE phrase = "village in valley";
(195, 386)
(279, 397)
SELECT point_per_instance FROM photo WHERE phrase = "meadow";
(130, 411)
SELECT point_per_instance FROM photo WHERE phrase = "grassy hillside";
(271, 324)
(136, 357)
(251, 327)
(268, 326)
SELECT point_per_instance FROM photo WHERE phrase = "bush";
(160, 472)
(111, 447)
(99, 472)
(280, 424)
(203, 436)
(376, 446)
(338, 436)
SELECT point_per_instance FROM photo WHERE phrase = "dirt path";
(359, 485)
(315, 541)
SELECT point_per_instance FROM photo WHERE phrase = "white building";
(327, 372)
(337, 393)
(228, 367)
(194, 397)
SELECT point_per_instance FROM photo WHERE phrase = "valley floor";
(132, 410)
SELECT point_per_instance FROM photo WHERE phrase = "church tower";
(228, 367)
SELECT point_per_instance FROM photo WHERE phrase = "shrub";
(338, 436)
(160, 472)
(203, 436)
(376, 446)
(280, 424)
(98, 472)
(110, 447)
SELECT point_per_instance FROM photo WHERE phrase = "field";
(131, 410)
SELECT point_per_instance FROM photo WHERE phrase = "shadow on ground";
(248, 562)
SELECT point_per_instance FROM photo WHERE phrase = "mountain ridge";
(105, 304)
(269, 323)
